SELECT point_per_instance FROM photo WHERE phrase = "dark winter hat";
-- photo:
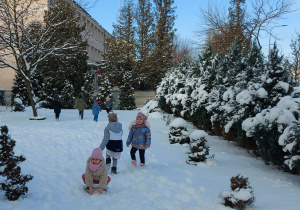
(141, 115)
(112, 117)
(97, 154)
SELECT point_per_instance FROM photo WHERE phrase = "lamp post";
(271, 33)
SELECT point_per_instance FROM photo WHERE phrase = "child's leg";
(115, 162)
(108, 160)
(142, 155)
(96, 118)
(132, 153)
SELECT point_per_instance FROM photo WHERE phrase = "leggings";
(142, 154)
(81, 114)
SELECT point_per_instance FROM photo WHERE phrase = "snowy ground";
(56, 153)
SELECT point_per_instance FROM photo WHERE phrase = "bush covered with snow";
(235, 96)
(241, 194)
(18, 105)
(199, 150)
(290, 141)
(14, 185)
(178, 132)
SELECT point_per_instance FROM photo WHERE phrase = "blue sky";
(188, 20)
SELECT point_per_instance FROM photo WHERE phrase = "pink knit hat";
(97, 154)
(141, 115)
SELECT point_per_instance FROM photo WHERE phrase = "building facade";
(94, 33)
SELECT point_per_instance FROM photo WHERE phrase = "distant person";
(80, 105)
(140, 139)
(113, 142)
(108, 104)
(96, 109)
(57, 107)
(95, 172)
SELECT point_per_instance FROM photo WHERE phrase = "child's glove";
(147, 146)
(127, 145)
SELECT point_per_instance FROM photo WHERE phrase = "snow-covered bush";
(199, 150)
(268, 126)
(151, 106)
(241, 194)
(14, 185)
(18, 105)
(290, 141)
(178, 132)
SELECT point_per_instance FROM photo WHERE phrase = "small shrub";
(14, 185)
(241, 194)
(18, 105)
(178, 132)
(199, 150)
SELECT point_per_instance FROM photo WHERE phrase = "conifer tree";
(164, 39)
(87, 90)
(19, 90)
(105, 89)
(14, 185)
(68, 97)
(70, 64)
(144, 44)
(126, 95)
(277, 82)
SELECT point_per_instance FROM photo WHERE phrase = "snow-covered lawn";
(56, 154)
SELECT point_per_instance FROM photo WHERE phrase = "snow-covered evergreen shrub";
(290, 141)
(151, 106)
(18, 105)
(14, 185)
(241, 194)
(199, 150)
(178, 132)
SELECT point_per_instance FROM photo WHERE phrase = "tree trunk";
(31, 97)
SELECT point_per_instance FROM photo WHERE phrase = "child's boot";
(142, 165)
(114, 170)
(133, 162)
(108, 162)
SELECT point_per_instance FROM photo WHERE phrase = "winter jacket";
(80, 104)
(96, 109)
(139, 138)
(112, 139)
(101, 175)
(56, 106)
(108, 104)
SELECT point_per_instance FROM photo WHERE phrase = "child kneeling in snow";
(96, 172)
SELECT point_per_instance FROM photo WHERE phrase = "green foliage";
(87, 90)
(126, 96)
(178, 135)
(68, 68)
(14, 185)
(199, 150)
(267, 137)
(239, 183)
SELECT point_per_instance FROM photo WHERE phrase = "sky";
(56, 154)
(188, 20)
